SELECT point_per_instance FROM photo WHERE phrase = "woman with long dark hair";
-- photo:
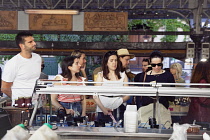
(111, 73)
(199, 109)
(158, 75)
(72, 103)
(145, 103)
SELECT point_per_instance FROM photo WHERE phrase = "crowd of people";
(21, 72)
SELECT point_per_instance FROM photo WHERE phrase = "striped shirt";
(70, 97)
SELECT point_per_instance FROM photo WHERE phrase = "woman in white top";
(111, 73)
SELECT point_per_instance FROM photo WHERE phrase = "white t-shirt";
(23, 73)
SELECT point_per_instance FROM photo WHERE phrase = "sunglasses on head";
(158, 64)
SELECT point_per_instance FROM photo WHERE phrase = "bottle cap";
(47, 124)
(21, 125)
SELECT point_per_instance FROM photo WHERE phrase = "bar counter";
(95, 133)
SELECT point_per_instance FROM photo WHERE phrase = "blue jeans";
(76, 106)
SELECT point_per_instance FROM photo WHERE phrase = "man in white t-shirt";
(21, 72)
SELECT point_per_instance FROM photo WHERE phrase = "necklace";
(152, 73)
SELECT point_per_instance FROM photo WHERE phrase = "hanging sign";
(50, 22)
(8, 20)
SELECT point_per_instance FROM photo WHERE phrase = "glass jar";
(27, 101)
(21, 102)
(16, 103)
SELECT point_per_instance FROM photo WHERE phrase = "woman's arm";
(99, 78)
(84, 105)
(100, 105)
(96, 98)
(125, 98)
(55, 102)
(54, 97)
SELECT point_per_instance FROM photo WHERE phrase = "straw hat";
(124, 52)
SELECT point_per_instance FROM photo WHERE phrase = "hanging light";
(203, 59)
(205, 52)
(47, 11)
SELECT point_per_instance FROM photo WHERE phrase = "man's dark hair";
(20, 37)
(146, 60)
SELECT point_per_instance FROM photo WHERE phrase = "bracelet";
(60, 107)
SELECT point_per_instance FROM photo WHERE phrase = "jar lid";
(21, 125)
(47, 124)
(194, 125)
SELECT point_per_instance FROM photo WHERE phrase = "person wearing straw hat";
(125, 57)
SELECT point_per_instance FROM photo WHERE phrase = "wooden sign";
(8, 20)
(106, 21)
(50, 22)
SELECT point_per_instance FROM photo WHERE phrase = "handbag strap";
(145, 75)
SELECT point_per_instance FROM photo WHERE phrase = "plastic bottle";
(17, 133)
(131, 119)
(45, 132)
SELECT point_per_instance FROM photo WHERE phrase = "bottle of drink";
(131, 119)
(17, 133)
(45, 132)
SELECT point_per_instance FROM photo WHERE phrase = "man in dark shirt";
(145, 67)
(0, 81)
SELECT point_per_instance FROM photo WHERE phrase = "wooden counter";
(17, 115)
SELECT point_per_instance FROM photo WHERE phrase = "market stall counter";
(95, 133)
(155, 90)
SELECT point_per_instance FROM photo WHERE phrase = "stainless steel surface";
(116, 133)
(127, 90)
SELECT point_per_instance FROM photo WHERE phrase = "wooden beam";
(59, 52)
(146, 32)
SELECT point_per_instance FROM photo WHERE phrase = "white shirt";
(113, 102)
(23, 73)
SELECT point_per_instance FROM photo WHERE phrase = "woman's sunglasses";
(158, 64)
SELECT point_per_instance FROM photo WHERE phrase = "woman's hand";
(70, 111)
(83, 115)
(106, 111)
(83, 67)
